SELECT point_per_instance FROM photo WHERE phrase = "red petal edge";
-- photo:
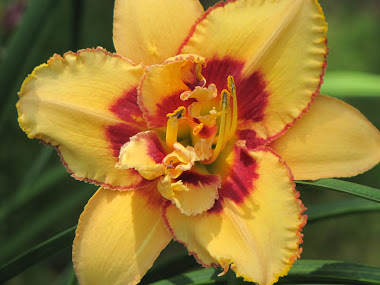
(304, 111)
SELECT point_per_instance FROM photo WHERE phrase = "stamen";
(232, 90)
(228, 125)
(221, 137)
(228, 120)
(172, 126)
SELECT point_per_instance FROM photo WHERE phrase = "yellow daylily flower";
(195, 131)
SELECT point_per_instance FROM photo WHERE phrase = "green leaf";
(72, 278)
(43, 183)
(41, 33)
(17, 49)
(349, 83)
(36, 254)
(35, 181)
(43, 220)
(351, 188)
(18, 46)
(303, 271)
(345, 207)
(328, 271)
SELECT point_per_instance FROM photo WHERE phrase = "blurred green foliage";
(38, 199)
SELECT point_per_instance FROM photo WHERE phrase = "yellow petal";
(151, 31)
(160, 90)
(258, 235)
(119, 236)
(275, 50)
(144, 152)
(193, 193)
(85, 105)
(332, 140)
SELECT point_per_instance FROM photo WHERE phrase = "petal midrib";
(254, 62)
(244, 232)
(145, 243)
(103, 116)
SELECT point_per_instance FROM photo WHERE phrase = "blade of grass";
(303, 271)
(31, 53)
(22, 193)
(337, 272)
(36, 254)
(351, 188)
(72, 278)
(42, 183)
(345, 207)
(43, 220)
(31, 23)
(35, 169)
(349, 83)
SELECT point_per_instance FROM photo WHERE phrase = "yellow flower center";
(220, 122)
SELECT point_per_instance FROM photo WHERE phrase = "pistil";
(172, 126)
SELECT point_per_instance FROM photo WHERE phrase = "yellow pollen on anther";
(179, 112)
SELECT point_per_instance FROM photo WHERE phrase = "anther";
(231, 84)
(179, 112)
(225, 96)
